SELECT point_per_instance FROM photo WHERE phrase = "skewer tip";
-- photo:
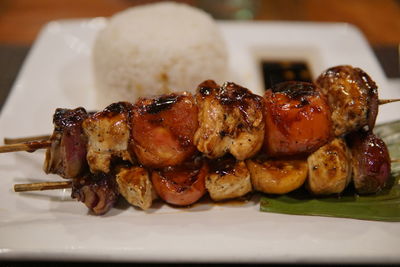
(387, 101)
(10, 141)
(42, 186)
(29, 146)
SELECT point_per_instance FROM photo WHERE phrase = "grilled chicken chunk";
(230, 120)
(352, 96)
(277, 176)
(297, 119)
(98, 191)
(67, 154)
(108, 135)
(329, 168)
(228, 178)
(163, 129)
(135, 186)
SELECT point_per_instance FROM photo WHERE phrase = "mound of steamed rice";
(156, 49)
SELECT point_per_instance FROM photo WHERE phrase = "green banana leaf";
(383, 206)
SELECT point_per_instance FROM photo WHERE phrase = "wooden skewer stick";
(42, 186)
(10, 141)
(387, 101)
(29, 146)
(395, 160)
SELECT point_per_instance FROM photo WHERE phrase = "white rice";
(156, 49)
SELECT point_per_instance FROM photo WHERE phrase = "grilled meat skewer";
(163, 133)
(327, 171)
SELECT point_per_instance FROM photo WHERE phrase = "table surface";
(21, 20)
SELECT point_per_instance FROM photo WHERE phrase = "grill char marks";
(181, 185)
(228, 178)
(297, 119)
(230, 120)
(161, 103)
(108, 134)
(163, 129)
(299, 91)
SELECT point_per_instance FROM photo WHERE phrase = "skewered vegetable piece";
(277, 176)
(371, 162)
(297, 119)
(181, 185)
(329, 168)
(163, 129)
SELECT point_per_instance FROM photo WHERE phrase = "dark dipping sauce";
(281, 71)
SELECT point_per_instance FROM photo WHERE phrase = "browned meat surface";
(230, 120)
(135, 186)
(371, 162)
(329, 168)
(98, 192)
(277, 176)
(163, 129)
(352, 96)
(108, 135)
(228, 178)
(297, 119)
(67, 154)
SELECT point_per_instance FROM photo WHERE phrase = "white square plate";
(51, 226)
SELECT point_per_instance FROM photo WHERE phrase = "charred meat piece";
(135, 186)
(352, 96)
(228, 178)
(181, 185)
(297, 119)
(108, 133)
(329, 168)
(277, 176)
(371, 162)
(67, 154)
(230, 120)
(98, 192)
(163, 129)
